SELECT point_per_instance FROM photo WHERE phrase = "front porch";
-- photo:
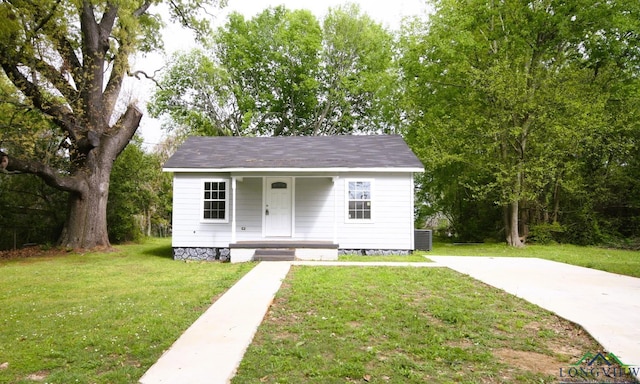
(294, 208)
(282, 250)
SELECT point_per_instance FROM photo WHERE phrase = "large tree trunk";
(86, 224)
(510, 215)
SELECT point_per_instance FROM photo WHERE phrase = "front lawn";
(101, 317)
(417, 256)
(610, 260)
(406, 325)
(107, 317)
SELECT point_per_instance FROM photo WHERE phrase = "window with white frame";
(215, 200)
(359, 199)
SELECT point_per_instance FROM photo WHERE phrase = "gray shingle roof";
(293, 152)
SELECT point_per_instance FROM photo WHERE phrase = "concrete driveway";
(605, 304)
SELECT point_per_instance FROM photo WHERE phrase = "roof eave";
(305, 170)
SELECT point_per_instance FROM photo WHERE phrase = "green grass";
(405, 325)
(610, 260)
(623, 262)
(415, 257)
(101, 317)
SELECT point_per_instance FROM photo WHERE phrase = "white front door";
(277, 212)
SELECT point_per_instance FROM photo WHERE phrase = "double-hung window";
(215, 200)
(359, 200)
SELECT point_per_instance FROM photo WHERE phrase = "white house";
(308, 197)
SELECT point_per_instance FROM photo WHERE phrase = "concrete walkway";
(211, 349)
(605, 304)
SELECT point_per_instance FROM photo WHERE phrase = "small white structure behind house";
(308, 197)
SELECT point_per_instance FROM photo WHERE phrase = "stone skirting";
(224, 254)
(375, 252)
(201, 254)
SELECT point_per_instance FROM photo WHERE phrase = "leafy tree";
(68, 60)
(356, 75)
(272, 61)
(139, 194)
(282, 73)
(499, 93)
(204, 104)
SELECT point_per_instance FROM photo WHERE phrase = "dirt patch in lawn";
(38, 376)
(31, 252)
(529, 361)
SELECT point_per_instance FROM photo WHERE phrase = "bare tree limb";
(137, 74)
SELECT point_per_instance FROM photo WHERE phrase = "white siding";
(188, 230)
(249, 209)
(314, 208)
(391, 210)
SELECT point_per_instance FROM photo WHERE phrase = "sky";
(388, 13)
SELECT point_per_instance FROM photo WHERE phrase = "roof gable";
(293, 152)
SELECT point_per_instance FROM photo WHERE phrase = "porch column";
(335, 209)
(233, 209)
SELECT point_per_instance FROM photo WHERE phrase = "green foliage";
(25, 132)
(204, 103)
(31, 212)
(529, 107)
(282, 73)
(545, 233)
(358, 84)
(272, 62)
(139, 197)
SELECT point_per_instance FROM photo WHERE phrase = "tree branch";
(106, 23)
(48, 17)
(143, 8)
(56, 79)
(137, 74)
(184, 19)
(121, 57)
(89, 28)
(46, 173)
(114, 85)
(122, 132)
(69, 56)
(62, 116)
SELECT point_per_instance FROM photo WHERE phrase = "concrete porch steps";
(283, 250)
(274, 254)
